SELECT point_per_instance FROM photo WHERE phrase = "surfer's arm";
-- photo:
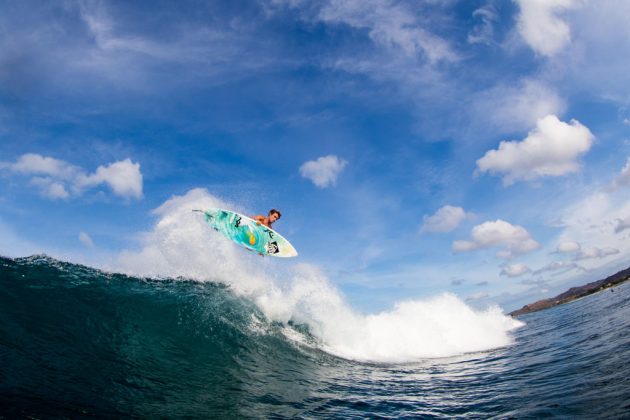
(259, 219)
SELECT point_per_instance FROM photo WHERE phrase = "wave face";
(80, 342)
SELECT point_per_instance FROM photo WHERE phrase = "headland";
(575, 293)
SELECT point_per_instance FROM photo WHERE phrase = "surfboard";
(248, 233)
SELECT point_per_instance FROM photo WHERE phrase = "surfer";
(272, 217)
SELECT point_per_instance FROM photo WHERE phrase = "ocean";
(77, 342)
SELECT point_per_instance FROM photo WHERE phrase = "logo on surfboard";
(272, 247)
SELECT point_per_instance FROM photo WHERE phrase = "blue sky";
(414, 147)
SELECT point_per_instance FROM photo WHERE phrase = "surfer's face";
(273, 217)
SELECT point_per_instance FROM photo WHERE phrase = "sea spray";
(437, 327)
(181, 245)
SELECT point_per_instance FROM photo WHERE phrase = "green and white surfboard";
(248, 233)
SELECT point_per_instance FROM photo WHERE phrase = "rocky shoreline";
(575, 293)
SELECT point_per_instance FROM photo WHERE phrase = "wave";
(80, 342)
(181, 246)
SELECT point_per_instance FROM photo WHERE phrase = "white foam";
(182, 245)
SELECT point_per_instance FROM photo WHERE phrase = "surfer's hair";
(272, 211)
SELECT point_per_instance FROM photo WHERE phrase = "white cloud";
(86, 240)
(124, 178)
(445, 219)
(103, 30)
(31, 163)
(323, 172)
(514, 239)
(55, 178)
(541, 27)
(517, 106)
(483, 32)
(393, 26)
(595, 252)
(568, 247)
(515, 270)
(50, 188)
(583, 253)
(551, 149)
(563, 266)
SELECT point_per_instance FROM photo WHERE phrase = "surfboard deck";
(248, 233)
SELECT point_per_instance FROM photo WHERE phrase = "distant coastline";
(575, 293)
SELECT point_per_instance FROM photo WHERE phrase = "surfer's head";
(273, 215)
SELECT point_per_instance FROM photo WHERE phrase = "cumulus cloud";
(515, 270)
(323, 172)
(57, 179)
(514, 239)
(568, 247)
(123, 177)
(31, 163)
(541, 26)
(445, 219)
(551, 149)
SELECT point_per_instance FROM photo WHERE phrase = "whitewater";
(181, 246)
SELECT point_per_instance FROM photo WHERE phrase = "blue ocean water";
(77, 342)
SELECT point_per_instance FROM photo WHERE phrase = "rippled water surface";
(76, 342)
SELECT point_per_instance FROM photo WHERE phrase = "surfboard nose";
(288, 252)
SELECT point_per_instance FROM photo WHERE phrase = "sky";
(480, 148)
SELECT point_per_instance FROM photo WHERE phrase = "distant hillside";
(575, 293)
